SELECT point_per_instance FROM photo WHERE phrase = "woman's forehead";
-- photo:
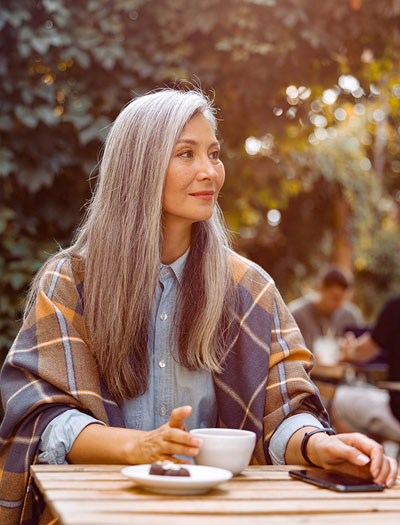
(197, 127)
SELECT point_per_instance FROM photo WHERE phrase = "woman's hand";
(100, 444)
(163, 442)
(353, 454)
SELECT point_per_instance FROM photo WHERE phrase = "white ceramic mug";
(226, 448)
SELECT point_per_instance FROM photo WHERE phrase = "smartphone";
(330, 479)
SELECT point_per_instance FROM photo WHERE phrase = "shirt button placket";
(163, 390)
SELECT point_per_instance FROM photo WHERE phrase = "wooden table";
(328, 377)
(99, 494)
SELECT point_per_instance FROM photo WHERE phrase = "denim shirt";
(169, 385)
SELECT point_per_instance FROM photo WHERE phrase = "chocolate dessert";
(168, 468)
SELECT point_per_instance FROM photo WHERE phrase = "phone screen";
(333, 480)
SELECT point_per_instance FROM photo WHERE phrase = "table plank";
(389, 385)
(211, 506)
(117, 468)
(215, 494)
(390, 518)
(257, 486)
(331, 372)
(68, 467)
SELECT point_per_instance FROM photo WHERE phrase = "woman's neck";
(176, 240)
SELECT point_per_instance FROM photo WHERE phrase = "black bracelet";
(307, 436)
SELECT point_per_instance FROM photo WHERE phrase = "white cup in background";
(326, 350)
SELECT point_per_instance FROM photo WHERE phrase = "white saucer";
(201, 479)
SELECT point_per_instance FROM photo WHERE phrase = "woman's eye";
(186, 154)
(215, 154)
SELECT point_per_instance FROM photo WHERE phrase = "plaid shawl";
(51, 368)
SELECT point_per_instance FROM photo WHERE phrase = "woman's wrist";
(313, 448)
(293, 455)
(131, 449)
(307, 437)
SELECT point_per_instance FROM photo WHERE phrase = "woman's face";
(195, 175)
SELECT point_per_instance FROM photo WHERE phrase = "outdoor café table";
(328, 377)
(100, 494)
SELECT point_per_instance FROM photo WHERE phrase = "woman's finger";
(166, 457)
(384, 472)
(178, 415)
(168, 447)
(394, 467)
(366, 446)
(177, 435)
(341, 451)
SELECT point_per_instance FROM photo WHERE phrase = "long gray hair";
(120, 242)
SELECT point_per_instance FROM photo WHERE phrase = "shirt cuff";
(60, 434)
(281, 436)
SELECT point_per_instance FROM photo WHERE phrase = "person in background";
(366, 408)
(326, 311)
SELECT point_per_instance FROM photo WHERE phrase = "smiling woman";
(149, 325)
(194, 178)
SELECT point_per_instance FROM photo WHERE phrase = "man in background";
(327, 312)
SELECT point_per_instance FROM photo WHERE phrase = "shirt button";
(162, 364)
(163, 411)
(163, 316)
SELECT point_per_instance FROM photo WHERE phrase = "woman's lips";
(203, 195)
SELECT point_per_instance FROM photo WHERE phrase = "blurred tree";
(67, 67)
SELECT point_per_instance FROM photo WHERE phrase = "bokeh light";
(396, 166)
(304, 92)
(340, 114)
(252, 145)
(365, 164)
(359, 109)
(321, 133)
(332, 133)
(348, 83)
(374, 90)
(329, 96)
(396, 90)
(274, 217)
(379, 115)
(358, 93)
(319, 121)
(292, 92)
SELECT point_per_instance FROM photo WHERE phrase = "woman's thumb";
(178, 415)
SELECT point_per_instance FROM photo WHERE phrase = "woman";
(149, 322)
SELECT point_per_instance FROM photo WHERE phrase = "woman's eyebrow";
(195, 143)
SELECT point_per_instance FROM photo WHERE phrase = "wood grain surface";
(100, 494)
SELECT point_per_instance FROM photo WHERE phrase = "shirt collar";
(177, 266)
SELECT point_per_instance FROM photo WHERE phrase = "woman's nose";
(206, 169)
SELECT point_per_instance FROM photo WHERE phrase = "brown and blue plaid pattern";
(51, 367)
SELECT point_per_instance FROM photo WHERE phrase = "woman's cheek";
(221, 177)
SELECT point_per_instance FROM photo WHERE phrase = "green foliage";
(68, 66)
